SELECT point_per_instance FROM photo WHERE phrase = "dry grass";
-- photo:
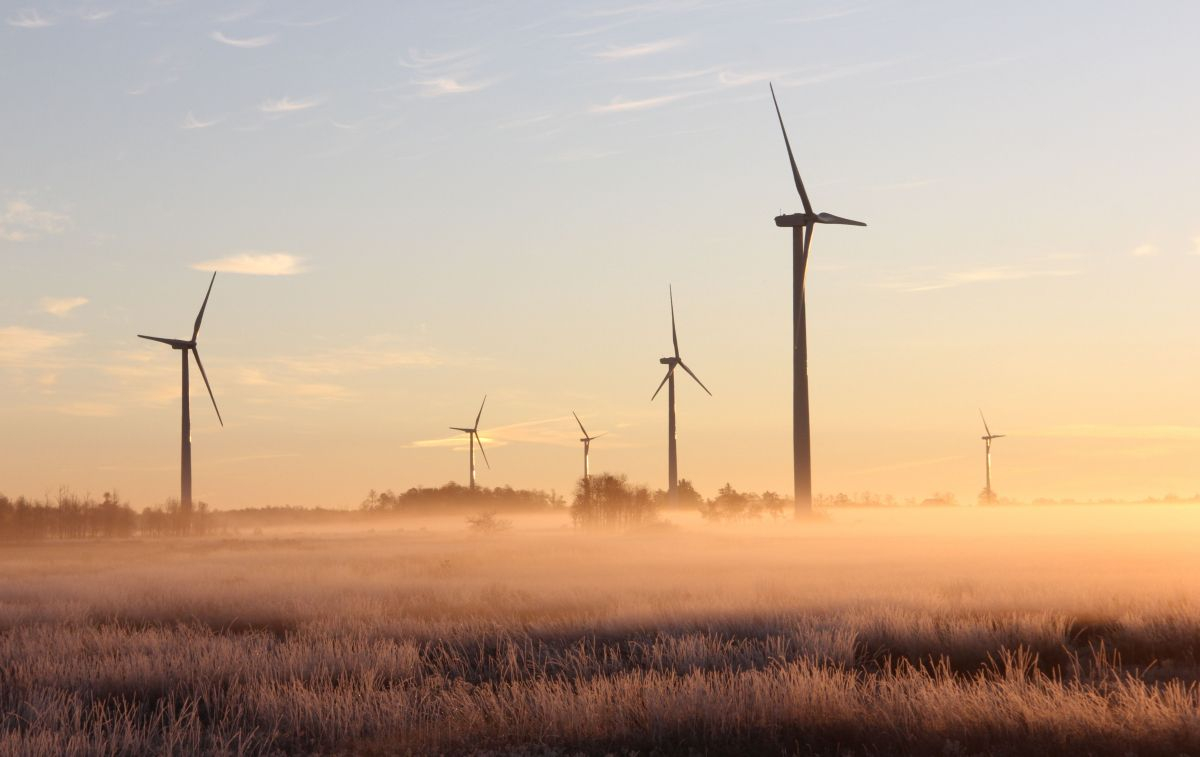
(949, 632)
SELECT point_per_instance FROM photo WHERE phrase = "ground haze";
(934, 631)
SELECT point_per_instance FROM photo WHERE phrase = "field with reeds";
(946, 631)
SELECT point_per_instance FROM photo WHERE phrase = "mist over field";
(956, 631)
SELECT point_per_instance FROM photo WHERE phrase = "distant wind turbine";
(802, 225)
(587, 446)
(988, 495)
(669, 380)
(473, 436)
(185, 460)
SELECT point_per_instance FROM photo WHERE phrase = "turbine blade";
(660, 386)
(597, 436)
(795, 171)
(171, 342)
(480, 415)
(831, 218)
(999, 436)
(986, 430)
(581, 428)
(674, 338)
(200, 315)
(459, 428)
(485, 460)
(698, 381)
(196, 354)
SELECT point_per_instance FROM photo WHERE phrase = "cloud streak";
(19, 344)
(558, 431)
(29, 18)
(247, 43)
(22, 222)
(980, 276)
(288, 105)
(255, 264)
(449, 86)
(1144, 251)
(639, 51)
(61, 306)
(1109, 431)
(191, 122)
(621, 105)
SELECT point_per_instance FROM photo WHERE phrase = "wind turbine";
(473, 436)
(587, 446)
(802, 225)
(988, 495)
(185, 459)
(669, 380)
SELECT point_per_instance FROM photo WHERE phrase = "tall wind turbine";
(988, 436)
(473, 436)
(587, 446)
(669, 380)
(185, 458)
(802, 225)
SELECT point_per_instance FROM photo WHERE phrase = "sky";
(412, 205)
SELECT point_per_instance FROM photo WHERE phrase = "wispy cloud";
(448, 86)
(191, 122)
(1144, 251)
(255, 263)
(288, 105)
(1111, 431)
(19, 344)
(21, 222)
(517, 123)
(94, 14)
(61, 306)
(980, 276)
(29, 18)
(621, 105)
(640, 50)
(1196, 245)
(245, 43)
(823, 74)
(307, 390)
(681, 75)
(558, 431)
(422, 60)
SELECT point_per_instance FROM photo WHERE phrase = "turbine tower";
(802, 225)
(473, 436)
(587, 446)
(669, 380)
(988, 495)
(185, 458)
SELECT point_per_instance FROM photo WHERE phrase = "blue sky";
(458, 199)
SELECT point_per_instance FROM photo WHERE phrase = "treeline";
(69, 516)
(609, 501)
(453, 498)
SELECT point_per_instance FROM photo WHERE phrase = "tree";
(610, 501)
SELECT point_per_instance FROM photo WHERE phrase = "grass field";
(943, 631)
